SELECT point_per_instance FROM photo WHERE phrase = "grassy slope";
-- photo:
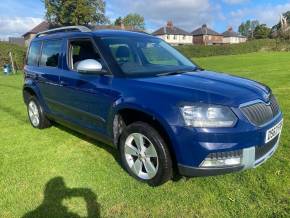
(30, 158)
(17, 51)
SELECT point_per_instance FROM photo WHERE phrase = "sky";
(19, 16)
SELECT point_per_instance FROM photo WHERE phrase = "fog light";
(213, 162)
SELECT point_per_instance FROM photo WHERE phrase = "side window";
(50, 53)
(33, 53)
(80, 50)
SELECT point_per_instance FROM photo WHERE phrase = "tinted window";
(146, 55)
(33, 54)
(50, 53)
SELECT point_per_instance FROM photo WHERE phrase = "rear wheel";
(36, 115)
(144, 154)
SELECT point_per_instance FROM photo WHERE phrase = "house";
(16, 40)
(113, 27)
(206, 36)
(231, 37)
(173, 35)
(43, 26)
(28, 36)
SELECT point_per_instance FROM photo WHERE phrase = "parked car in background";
(160, 110)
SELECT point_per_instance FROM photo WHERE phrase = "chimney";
(169, 24)
(122, 25)
(230, 29)
(204, 27)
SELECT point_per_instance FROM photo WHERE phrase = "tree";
(135, 21)
(75, 12)
(247, 28)
(262, 32)
(278, 32)
(118, 21)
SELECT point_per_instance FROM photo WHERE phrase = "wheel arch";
(29, 89)
(126, 115)
(27, 92)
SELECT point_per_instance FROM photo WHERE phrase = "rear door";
(48, 72)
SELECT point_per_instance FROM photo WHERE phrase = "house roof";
(231, 33)
(43, 26)
(204, 30)
(169, 29)
(112, 27)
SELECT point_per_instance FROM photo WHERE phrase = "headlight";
(208, 116)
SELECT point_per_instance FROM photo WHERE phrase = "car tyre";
(36, 114)
(144, 154)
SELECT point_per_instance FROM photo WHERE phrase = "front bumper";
(192, 147)
(251, 158)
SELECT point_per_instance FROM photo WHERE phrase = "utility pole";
(12, 63)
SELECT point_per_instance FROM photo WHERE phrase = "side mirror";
(89, 66)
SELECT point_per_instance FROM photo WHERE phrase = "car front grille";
(261, 113)
(260, 151)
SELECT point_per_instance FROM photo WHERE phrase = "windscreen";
(146, 55)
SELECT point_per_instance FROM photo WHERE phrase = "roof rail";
(64, 29)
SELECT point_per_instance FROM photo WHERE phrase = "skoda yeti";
(161, 111)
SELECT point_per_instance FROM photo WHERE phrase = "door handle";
(63, 83)
(34, 76)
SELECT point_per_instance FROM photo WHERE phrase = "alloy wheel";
(33, 113)
(141, 156)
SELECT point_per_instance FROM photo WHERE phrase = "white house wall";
(176, 39)
(234, 40)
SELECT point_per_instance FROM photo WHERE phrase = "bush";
(18, 54)
(232, 49)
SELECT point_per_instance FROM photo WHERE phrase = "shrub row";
(190, 51)
(18, 54)
(232, 49)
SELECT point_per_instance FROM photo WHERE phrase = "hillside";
(18, 54)
(192, 51)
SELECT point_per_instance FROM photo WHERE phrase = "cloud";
(267, 14)
(187, 14)
(16, 26)
(234, 2)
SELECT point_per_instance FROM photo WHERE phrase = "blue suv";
(162, 112)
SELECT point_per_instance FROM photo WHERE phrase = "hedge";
(18, 54)
(232, 49)
(188, 50)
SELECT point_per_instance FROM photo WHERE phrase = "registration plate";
(274, 131)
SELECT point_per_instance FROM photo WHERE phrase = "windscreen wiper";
(176, 72)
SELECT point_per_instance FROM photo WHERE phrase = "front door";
(85, 98)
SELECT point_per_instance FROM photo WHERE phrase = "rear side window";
(50, 53)
(33, 54)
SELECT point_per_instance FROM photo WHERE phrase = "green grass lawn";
(58, 171)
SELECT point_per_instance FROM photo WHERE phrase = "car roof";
(98, 33)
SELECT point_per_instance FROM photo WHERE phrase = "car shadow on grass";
(18, 88)
(109, 148)
(14, 113)
(55, 193)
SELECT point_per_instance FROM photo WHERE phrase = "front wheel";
(144, 154)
